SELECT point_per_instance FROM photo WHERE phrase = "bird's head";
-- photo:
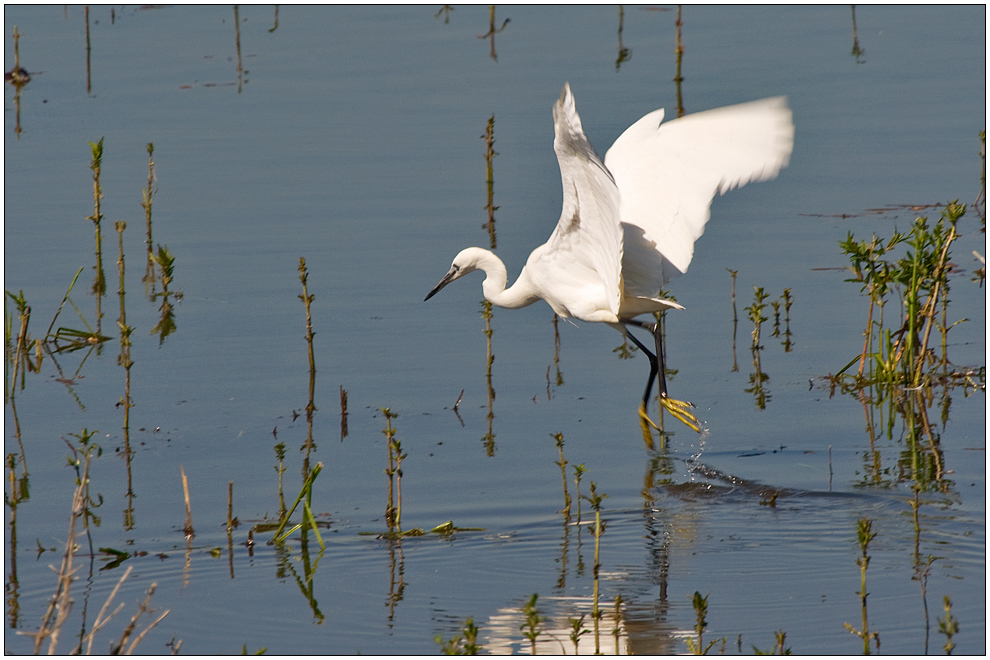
(465, 262)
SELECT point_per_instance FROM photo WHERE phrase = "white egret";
(628, 226)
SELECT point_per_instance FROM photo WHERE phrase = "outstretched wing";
(585, 249)
(668, 174)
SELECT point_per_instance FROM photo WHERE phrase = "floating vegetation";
(73, 339)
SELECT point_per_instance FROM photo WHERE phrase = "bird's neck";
(518, 295)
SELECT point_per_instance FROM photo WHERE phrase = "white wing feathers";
(668, 174)
(586, 246)
(629, 226)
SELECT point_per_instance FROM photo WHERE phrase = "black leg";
(679, 409)
(654, 366)
(658, 338)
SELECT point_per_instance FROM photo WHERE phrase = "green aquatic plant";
(124, 359)
(280, 469)
(99, 284)
(307, 299)
(903, 363)
(596, 504)
(700, 605)
(864, 535)
(83, 451)
(490, 153)
(778, 648)
(146, 200)
(533, 626)
(758, 378)
(625, 54)
(466, 643)
(948, 626)
(263, 649)
(166, 267)
(922, 566)
(617, 614)
(755, 312)
(393, 513)
(76, 338)
(61, 602)
(18, 77)
(559, 379)
(577, 630)
(492, 31)
(783, 301)
(903, 356)
(343, 413)
(18, 353)
(562, 464)
(309, 521)
(579, 471)
(679, 51)
(445, 11)
(489, 437)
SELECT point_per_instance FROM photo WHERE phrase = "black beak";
(447, 279)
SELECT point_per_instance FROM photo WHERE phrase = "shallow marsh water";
(350, 136)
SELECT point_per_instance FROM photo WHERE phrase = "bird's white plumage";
(629, 225)
(668, 173)
(582, 259)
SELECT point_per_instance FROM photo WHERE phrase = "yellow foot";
(680, 410)
(648, 424)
